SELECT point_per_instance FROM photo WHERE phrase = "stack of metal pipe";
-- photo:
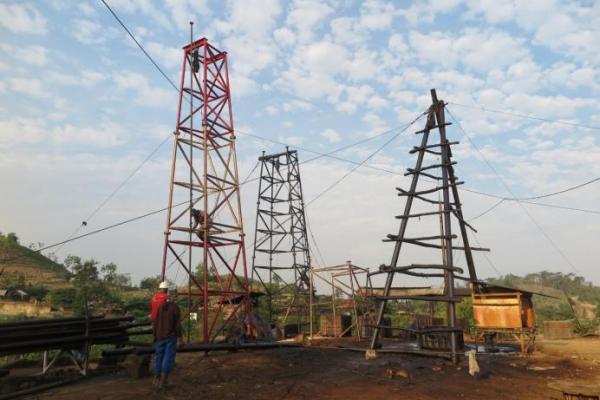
(67, 333)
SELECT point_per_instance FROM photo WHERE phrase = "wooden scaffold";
(347, 296)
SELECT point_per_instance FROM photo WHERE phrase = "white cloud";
(57, 116)
(86, 9)
(85, 78)
(493, 11)
(284, 36)
(242, 85)
(88, 32)
(304, 17)
(141, 33)
(145, 94)
(568, 28)
(22, 18)
(376, 15)
(254, 19)
(29, 86)
(170, 57)
(313, 70)
(522, 76)
(32, 55)
(363, 65)
(547, 106)
(292, 140)
(332, 135)
(184, 11)
(271, 110)
(376, 123)
(248, 57)
(518, 144)
(346, 30)
(377, 102)
(297, 105)
(571, 76)
(106, 135)
(20, 130)
(248, 39)
(473, 48)
(323, 57)
(147, 8)
(355, 96)
(397, 43)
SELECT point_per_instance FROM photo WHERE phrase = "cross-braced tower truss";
(281, 258)
(204, 174)
(434, 163)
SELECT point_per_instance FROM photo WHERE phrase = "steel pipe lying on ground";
(203, 347)
(67, 333)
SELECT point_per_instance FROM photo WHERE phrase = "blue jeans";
(164, 355)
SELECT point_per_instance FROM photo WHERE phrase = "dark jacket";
(168, 321)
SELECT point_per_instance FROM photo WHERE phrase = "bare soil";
(325, 373)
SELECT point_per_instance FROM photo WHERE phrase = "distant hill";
(23, 264)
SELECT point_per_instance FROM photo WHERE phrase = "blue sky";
(81, 107)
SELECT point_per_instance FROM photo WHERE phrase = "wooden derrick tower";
(434, 163)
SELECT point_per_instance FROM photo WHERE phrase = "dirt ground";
(325, 373)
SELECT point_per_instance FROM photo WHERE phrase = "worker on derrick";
(158, 298)
(198, 217)
(167, 333)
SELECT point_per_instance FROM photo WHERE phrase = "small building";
(335, 325)
(13, 294)
(503, 310)
(554, 330)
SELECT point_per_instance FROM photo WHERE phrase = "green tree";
(12, 238)
(150, 283)
(62, 298)
(85, 273)
(90, 286)
(113, 279)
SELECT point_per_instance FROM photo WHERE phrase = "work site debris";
(473, 365)
(399, 373)
(370, 354)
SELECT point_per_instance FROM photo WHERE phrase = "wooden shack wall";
(503, 311)
(330, 326)
(558, 330)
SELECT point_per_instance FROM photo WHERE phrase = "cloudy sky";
(81, 108)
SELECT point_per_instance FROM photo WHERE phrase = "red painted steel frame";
(205, 144)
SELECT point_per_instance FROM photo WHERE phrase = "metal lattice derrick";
(281, 256)
(204, 170)
(434, 163)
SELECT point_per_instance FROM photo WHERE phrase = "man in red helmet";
(167, 336)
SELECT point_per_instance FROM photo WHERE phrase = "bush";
(62, 298)
(150, 283)
(37, 292)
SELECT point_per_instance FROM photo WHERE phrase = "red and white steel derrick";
(204, 170)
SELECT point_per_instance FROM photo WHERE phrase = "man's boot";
(163, 381)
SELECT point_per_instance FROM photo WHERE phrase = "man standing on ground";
(167, 330)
